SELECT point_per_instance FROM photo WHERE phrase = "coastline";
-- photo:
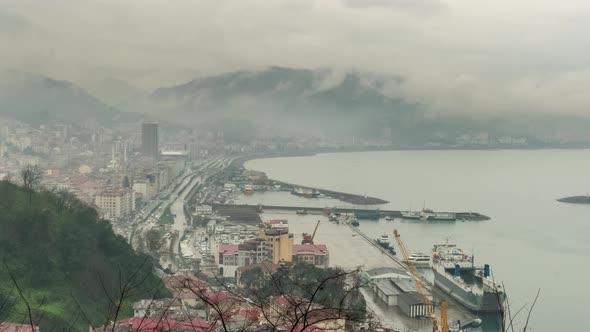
(240, 161)
(342, 196)
(311, 152)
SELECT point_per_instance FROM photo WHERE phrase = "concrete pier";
(362, 213)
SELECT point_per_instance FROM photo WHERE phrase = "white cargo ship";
(455, 273)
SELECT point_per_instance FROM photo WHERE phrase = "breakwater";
(575, 199)
(360, 213)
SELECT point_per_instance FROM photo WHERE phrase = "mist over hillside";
(276, 101)
(295, 100)
(37, 99)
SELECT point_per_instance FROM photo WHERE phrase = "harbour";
(351, 248)
(525, 219)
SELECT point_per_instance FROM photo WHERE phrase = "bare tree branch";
(20, 293)
(531, 310)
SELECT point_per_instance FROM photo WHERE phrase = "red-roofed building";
(153, 324)
(13, 327)
(222, 296)
(185, 287)
(228, 254)
(242, 318)
(182, 281)
(222, 302)
(284, 310)
(314, 254)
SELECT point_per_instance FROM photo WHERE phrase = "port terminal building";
(395, 287)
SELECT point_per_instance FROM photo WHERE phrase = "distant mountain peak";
(280, 85)
(35, 99)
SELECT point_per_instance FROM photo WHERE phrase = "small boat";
(309, 193)
(248, 190)
(383, 241)
(429, 214)
(388, 217)
(301, 212)
(419, 259)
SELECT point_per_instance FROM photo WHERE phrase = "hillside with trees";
(62, 267)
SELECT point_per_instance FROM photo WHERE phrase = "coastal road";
(171, 193)
(177, 207)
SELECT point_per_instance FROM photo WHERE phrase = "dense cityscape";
(171, 194)
(294, 166)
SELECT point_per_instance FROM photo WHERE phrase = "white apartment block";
(115, 204)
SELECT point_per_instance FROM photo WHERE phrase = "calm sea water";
(531, 242)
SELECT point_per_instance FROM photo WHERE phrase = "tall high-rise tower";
(149, 140)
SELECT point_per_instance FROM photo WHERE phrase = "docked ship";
(419, 260)
(428, 214)
(411, 215)
(442, 216)
(309, 193)
(455, 274)
(383, 241)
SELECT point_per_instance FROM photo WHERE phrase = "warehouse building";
(401, 293)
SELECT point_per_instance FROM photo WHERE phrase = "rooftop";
(114, 192)
(387, 287)
(411, 298)
(152, 324)
(276, 221)
(266, 266)
(221, 296)
(316, 249)
(14, 327)
(386, 272)
(228, 249)
(156, 303)
(184, 286)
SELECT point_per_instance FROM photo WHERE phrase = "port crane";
(309, 238)
(444, 320)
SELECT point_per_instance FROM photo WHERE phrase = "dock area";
(350, 248)
(364, 213)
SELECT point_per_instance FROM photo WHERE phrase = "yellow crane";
(444, 320)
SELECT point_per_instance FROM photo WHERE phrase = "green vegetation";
(155, 238)
(332, 288)
(69, 265)
(166, 217)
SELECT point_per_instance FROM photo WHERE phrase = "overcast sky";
(483, 55)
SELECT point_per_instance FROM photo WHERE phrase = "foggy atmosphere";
(294, 165)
